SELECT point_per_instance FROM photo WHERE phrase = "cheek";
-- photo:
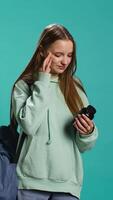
(69, 60)
(56, 60)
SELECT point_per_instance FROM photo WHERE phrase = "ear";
(42, 52)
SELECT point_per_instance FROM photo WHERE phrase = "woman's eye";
(70, 55)
(57, 55)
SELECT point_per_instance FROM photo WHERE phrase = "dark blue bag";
(8, 178)
(8, 160)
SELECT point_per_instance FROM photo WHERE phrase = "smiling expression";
(62, 51)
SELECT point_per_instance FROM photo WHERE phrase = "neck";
(54, 75)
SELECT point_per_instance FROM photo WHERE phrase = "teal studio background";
(91, 24)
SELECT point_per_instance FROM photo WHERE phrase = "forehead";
(62, 45)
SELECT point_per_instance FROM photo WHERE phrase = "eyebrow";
(62, 52)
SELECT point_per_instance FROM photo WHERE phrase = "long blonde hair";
(66, 81)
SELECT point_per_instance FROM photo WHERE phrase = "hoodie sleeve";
(85, 142)
(29, 109)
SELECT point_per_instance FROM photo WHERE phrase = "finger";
(86, 118)
(47, 59)
(89, 121)
(83, 121)
(80, 126)
(48, 69)
(78, 129)
(48, 56)
(88, 126)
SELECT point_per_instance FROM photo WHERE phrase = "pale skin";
(58, 59)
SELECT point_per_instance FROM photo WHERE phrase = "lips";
(62, 67)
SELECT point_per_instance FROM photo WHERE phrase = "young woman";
(46, 100)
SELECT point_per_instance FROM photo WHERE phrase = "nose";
(64, 60)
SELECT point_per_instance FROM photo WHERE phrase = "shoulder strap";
(19, 147)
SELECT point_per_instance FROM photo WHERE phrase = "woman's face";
(62, 51)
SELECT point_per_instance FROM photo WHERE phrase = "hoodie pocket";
(48, 162)
(34, 162)
(60, 163)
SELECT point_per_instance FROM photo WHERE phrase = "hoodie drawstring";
(49, 133)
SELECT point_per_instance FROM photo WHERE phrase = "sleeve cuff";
(43, 76)
(88, 135)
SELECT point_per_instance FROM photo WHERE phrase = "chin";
(58, 71)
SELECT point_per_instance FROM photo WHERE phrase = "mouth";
(62, 67)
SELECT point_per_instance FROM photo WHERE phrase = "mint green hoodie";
(50, 159)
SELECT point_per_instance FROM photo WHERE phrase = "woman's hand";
(83, 124)
(46, 67)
